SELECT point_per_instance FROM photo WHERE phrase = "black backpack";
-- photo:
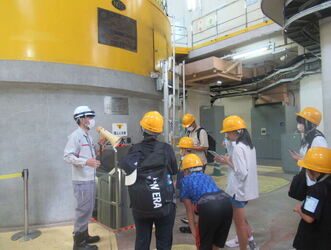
(211, 145)
(152, 194)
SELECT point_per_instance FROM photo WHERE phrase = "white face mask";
(91, 124)
(190, 129)
(309, 181)
(301, 128)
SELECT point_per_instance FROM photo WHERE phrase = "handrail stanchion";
(26, 234)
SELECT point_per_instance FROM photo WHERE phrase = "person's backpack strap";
(198, 133)
(317, 133)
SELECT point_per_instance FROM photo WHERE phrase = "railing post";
(26, 234)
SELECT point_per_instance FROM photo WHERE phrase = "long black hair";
(245, 138)
(310, 133)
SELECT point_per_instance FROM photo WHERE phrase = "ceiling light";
(251, 53)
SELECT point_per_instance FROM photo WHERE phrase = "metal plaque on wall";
(117, 30)
(116, 105)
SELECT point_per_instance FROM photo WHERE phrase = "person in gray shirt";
(80, 153)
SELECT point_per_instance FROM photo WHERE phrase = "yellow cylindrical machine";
(92, 33)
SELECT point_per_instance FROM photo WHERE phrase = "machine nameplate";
(116, 105)
(117, 30)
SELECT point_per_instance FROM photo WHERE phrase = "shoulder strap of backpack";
(317, 133)
(198, 133)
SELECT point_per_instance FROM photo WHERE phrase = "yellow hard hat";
(187, 120)
(185, 142)
(233, 123)
(191, 161)
(311, 114)
(317, 159)
(152, 121)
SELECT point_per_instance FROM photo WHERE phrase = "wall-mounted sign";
(117, 30)
(118, 4)
(120, 129)
(116, 105)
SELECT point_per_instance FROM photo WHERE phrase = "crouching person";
(211, 204)
(149, 167)
(314, 231)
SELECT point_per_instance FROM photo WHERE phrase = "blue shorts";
(238, 204)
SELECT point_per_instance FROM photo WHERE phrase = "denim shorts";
(238, 204)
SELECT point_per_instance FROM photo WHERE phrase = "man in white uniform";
(79, 152)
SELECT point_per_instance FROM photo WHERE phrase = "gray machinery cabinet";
(106, 186)
(290, 141)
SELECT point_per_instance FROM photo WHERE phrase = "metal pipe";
(26, 202)
(118, 192)
(184, 88)
(173, 90)
(165, 99)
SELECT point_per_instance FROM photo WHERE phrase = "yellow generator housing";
(126, 35)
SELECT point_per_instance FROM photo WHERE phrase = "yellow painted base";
(266, 183)
(58, 238)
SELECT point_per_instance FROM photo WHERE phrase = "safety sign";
(120, 129)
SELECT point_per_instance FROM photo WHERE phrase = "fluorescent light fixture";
(191, 5)
(252, 53)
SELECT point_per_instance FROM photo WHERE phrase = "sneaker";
(252, 245)
(184, 220)
(232, 243)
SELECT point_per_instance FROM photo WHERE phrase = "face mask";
(91, 124)
(309, 181)
(190, 129)
(301, 128)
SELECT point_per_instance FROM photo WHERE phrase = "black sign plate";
(117, 30)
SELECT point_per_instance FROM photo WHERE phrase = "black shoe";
(91, 239)
(80, 242)
(185, 230)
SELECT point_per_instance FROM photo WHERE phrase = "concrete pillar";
(325, 33)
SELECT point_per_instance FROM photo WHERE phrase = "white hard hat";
(83, 111)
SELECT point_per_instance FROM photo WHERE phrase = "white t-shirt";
(203, 142)
(318, 141)
(242, 180)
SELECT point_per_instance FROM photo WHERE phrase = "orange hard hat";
(187, 120)
(185, 142)
(233, 123)
(311, 114)
(152, 121)
(317, 159)
(191, 161)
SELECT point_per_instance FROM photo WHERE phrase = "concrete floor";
(271, 216)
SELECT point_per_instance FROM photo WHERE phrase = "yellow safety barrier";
(9, 176)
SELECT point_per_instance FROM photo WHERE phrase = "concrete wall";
(240, 106)
(36, 120)
(311, 95)
(195, 100)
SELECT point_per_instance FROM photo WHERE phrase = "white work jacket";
(242, 179)
(78, 150)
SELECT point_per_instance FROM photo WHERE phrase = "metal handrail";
(217, 25)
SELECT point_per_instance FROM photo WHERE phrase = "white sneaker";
(252, 245)
(232, 243)
(235, 243)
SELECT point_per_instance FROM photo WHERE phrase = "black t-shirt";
(316, 235)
